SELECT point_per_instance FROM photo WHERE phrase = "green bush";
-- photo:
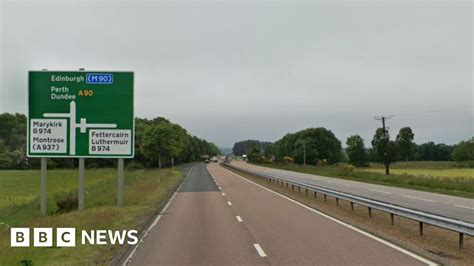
(66, 202)
(134, 165)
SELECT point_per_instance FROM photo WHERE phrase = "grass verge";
(456, 186)
(19, 207)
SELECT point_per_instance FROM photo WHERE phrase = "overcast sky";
(235, 70)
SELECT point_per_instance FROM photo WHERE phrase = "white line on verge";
(229, 203)
(466, 207)
(239, 219)
(398, 248)
(260, 251)
(156, 220)
(380, 191)
(410, 197)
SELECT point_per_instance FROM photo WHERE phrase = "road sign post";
(80, 114)
(43, 182)
(121, 183)
(82, 195)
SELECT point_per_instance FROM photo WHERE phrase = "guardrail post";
(315, 194)
(325, 197)
(286, 185)
(421, 228)
(392, 218)
(370, 212)
(352, 206)
(306, 192)
(299, 190)
(292, 187)
(461, 240)
(337, 201)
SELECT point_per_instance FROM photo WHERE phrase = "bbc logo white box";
(43, 237)
(20, 237)
(66, 237)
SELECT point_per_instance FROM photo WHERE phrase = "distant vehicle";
(206, 161)
(214, 159)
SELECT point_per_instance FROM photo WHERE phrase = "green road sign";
(80, 114)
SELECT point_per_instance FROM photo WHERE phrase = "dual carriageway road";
(220, 218)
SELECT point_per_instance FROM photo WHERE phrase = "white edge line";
(239, 219)
(156, 220)
(466, 207)
(410, 197)
(229, 203)
(259, 250)
(379, 191)
(398, 248)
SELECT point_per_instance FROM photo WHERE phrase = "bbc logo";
(43, 237)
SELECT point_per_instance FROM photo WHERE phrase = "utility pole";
(386, 140)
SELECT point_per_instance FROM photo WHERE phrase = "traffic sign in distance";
(80, 114)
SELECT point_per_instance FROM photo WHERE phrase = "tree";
(378, 147)
(356, 151)
(464, 151)
(159, 142)
(317, 143)
(243, 147)
(433, 152)
(255, 156)
(405, 142)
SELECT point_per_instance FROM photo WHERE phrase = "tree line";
(320, 146)
(158, 143)
(243, 147)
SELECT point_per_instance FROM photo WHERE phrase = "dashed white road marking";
(410, 197)
(223, 194)
(466, 207)
(239, 219)
(219, 188)
(229, 203)
(376, 238)
(380, 191)
(260, 251)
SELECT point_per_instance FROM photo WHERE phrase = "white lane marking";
(229, 203)
(220, 188)
(223, 194)
(380, 191)
(410, 197)
(239, 219)
(260, 251)
(466, 207)
(398, 248)
(156, 220)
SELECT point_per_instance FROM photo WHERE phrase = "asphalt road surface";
(448, 206)
(237, 222)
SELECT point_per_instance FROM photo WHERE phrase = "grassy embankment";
(439, 177)
(19, 207)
